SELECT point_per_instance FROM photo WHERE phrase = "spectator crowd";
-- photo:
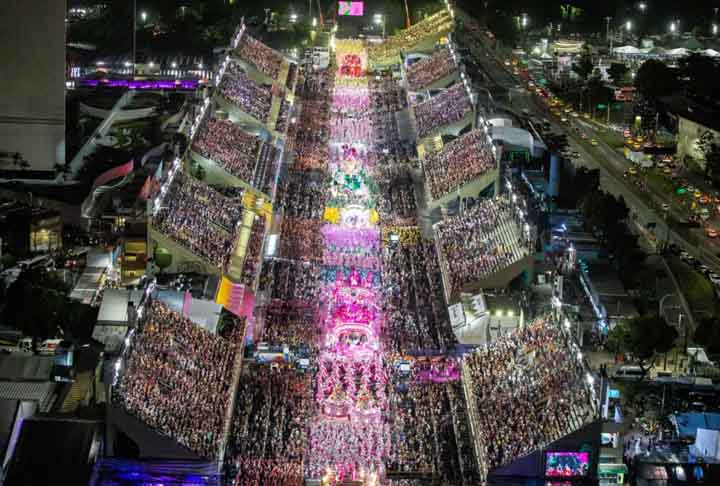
(485, 239)
(199, 218)
(431, 69)
(229, 146)
(268, 61)
(448, 107)
(389, 51)
(252, 98)
(178, 379)
(527, 390)
(272, 409)
(462, 160)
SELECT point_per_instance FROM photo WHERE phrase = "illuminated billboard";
(353, 9)
(566, 464)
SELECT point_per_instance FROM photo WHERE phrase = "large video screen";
(566, 464)
(353, 9)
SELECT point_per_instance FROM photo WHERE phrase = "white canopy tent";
(679, 52)
(627, 50)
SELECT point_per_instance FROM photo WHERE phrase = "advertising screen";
(353, 9)
(566, 464)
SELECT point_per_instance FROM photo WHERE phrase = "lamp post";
(134, 39)
(379, 19)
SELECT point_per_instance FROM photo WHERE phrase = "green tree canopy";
(700, 74)
(643, 338)
(707, 335)
(618, 72)
(583, 67)
(655, 79)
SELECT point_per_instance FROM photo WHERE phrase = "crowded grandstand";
(352, 371)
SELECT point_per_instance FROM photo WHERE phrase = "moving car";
(631, 373)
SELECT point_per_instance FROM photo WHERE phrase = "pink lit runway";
(350, 439)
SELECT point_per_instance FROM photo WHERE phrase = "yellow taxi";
(698, 194)
(632, 171)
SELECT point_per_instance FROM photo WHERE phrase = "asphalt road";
(611, 163)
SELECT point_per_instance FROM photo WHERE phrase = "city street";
(646, 206)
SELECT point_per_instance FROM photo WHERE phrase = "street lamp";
(628, 25)
(715, 29)
(642, 6)
(293, 18)
(379, 19)
(524, 21)
(143, 16)
(673, 26)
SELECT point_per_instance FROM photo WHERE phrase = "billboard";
(353, 9)
(566, 464)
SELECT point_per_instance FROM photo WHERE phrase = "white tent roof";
(680, 51)
(627, 50)
(710, 52)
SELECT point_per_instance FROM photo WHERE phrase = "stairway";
(78, 392)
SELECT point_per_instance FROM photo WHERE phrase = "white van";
(629, 372)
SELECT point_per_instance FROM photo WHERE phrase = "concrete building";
(692, 121)
(32, 99)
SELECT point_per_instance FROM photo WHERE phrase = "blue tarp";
(688, 423)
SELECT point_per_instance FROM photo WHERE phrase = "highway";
(508, 92)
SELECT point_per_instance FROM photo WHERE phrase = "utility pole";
(320, 14)
(407, 15)
(134, 40)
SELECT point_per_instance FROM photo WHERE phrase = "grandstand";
(447, 112)
(463, 167)
(487, 246)
(437, 71)
(249, 99)
(197, 221)
(178, 379)
(267, 62)
(525, 391)
(422, 36)
(249, 161)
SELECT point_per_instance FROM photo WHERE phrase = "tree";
(699, 74)
(618, 72)
(574, 187)
(643, 338)
(163, 258)
(654, 79)
(710, 149)
(707, 335)
(504, 28)
(35, 302)
(584, 66)
(598, 93)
